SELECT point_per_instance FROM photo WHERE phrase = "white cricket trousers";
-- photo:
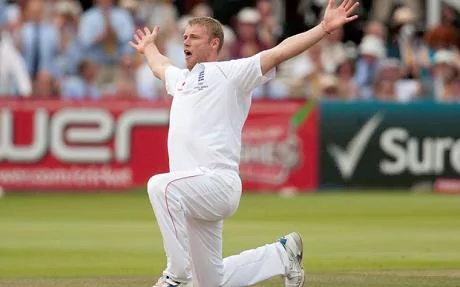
(190, 208)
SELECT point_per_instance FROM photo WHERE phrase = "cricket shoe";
(293, 245)
(165, 281)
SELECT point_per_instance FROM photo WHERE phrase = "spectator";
(39, 41)
(82, 86)
(14, 18)
(270, 29)
(66, 18)
(390, 85)
(54, 46)
(439, 38)
(14, 77)
(345, 71)
(248, 43)
(376, 29)
(132, 7)
(44, 86)
(381, 9)
(274, 89)
(329, 85)
(201, 10)
(229, 40)
(452, 90)
(125, 79)
(173, 47)
(450, 17)
(384, 82)
(311, 11)
(104, 33)
(444, 70)
(404, 43)
(302, 74)
(164, 15)
(160, 13)
(332, 49)
(372, 50)
(148, 86)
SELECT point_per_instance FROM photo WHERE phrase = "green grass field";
(351, 239)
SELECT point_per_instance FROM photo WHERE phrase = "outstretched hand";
(335, 17)
(144, 38)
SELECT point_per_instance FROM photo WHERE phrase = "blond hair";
(214, 28)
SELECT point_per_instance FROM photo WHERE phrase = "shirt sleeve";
(246, 73)
(172, 75)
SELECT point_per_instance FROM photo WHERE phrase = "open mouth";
(187, 53)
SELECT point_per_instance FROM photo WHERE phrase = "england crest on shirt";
(201, 82)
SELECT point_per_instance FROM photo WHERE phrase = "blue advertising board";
(371, 144)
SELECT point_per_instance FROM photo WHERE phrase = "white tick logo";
(347, 159)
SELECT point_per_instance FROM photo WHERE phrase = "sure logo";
(419, 156)
(347, 159)
(400, 151)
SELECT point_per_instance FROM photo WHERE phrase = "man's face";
(265, 8)
(90, 71)
(376, 29)
(198, 46)
(35, 10)
(247, 31)
(443, 71)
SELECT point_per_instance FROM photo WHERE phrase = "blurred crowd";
(77, 50)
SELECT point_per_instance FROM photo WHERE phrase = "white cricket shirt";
(210, 105)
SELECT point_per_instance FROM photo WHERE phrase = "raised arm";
(145, 44)
(334, 17)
